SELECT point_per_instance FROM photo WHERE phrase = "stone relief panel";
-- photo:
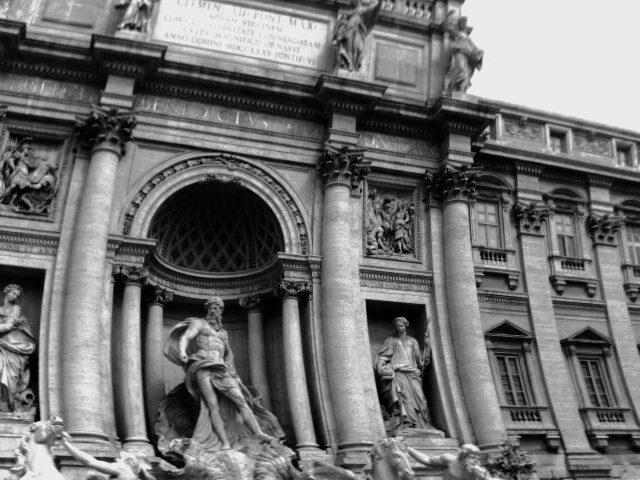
(28, 176)
(523, 130)
(588, 142)
(391, 228)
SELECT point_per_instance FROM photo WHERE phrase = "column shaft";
(154, 358)
(131, 395)
(466, 327)
(82, 362)
(257, 356)
(295, 375)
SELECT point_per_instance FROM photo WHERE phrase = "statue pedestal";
(13, 426)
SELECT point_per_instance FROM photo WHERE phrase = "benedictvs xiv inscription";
(228, 116)
(244, 31)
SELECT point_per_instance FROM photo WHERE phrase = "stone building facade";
(176, 160)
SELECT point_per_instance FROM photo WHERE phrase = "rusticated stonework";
(530, 218)
(345, 165)
(604, 228)
(108, 127)
(452, 184)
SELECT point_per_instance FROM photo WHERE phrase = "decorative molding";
(404, 281)
(413, 132)
(232, 163)
(29, 242)
(527, 168)
(50, 71)
(592, 306)
(503, 297)
(522, 129)
(106, 127)
(459, 184)
(343, 165)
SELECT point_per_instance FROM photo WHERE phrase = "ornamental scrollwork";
(285, 288)
(106, 126)
(251, 302)
(161, 295)
(136, 275)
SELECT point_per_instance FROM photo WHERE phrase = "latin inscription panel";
(241, 30)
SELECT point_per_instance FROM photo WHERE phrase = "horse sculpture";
(387, 460)
(34, 460)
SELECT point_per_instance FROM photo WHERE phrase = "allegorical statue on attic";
(212, 420)
(466, 58)
(28, 181)
(17, 344)
(399, 365)
(137, 14)
(351, 30)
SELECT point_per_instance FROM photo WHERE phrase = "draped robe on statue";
(399, 364)
(224, 377)
(16, 346)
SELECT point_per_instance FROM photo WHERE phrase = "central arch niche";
(216, 227)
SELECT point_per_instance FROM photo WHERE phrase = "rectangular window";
(557, 142)
(488, 224)
(633, 243)
(566, 232)
(596, 382)
(512, 380)
(624, 156)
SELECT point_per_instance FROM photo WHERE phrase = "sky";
(579, 58)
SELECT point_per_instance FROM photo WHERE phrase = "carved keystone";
(530, 217)
(106, 127)
(453, 184)
(343, 165)
(604, 228)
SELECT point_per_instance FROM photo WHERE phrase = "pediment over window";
(508, 330)
(588, 336)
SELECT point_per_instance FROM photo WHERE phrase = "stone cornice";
(347, 95)
(130, 251)
(395, 280)
(12, 33)
(593, 306)
(125, 57)
(462, 114)
(29, 242)
(503, 297)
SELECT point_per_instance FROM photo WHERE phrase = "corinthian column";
(296, 378)
(457, 189)
(128, 379)
(104, 133)
(153, 356)
(257, 356)
(345, 334)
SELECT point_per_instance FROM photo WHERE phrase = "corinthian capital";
(453, 184)
(284, 288)
(530, 217)
(106, 127)
(604, 228)
(344, 165)
(137, 275)
(161, 295)
(251, 302)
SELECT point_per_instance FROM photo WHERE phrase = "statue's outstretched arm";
(88, 460)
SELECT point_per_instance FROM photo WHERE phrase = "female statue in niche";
(17, 344)
(399, 365)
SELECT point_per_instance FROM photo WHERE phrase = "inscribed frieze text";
(397, 144)
(227, 116)
(243, 31)
(46, 87)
